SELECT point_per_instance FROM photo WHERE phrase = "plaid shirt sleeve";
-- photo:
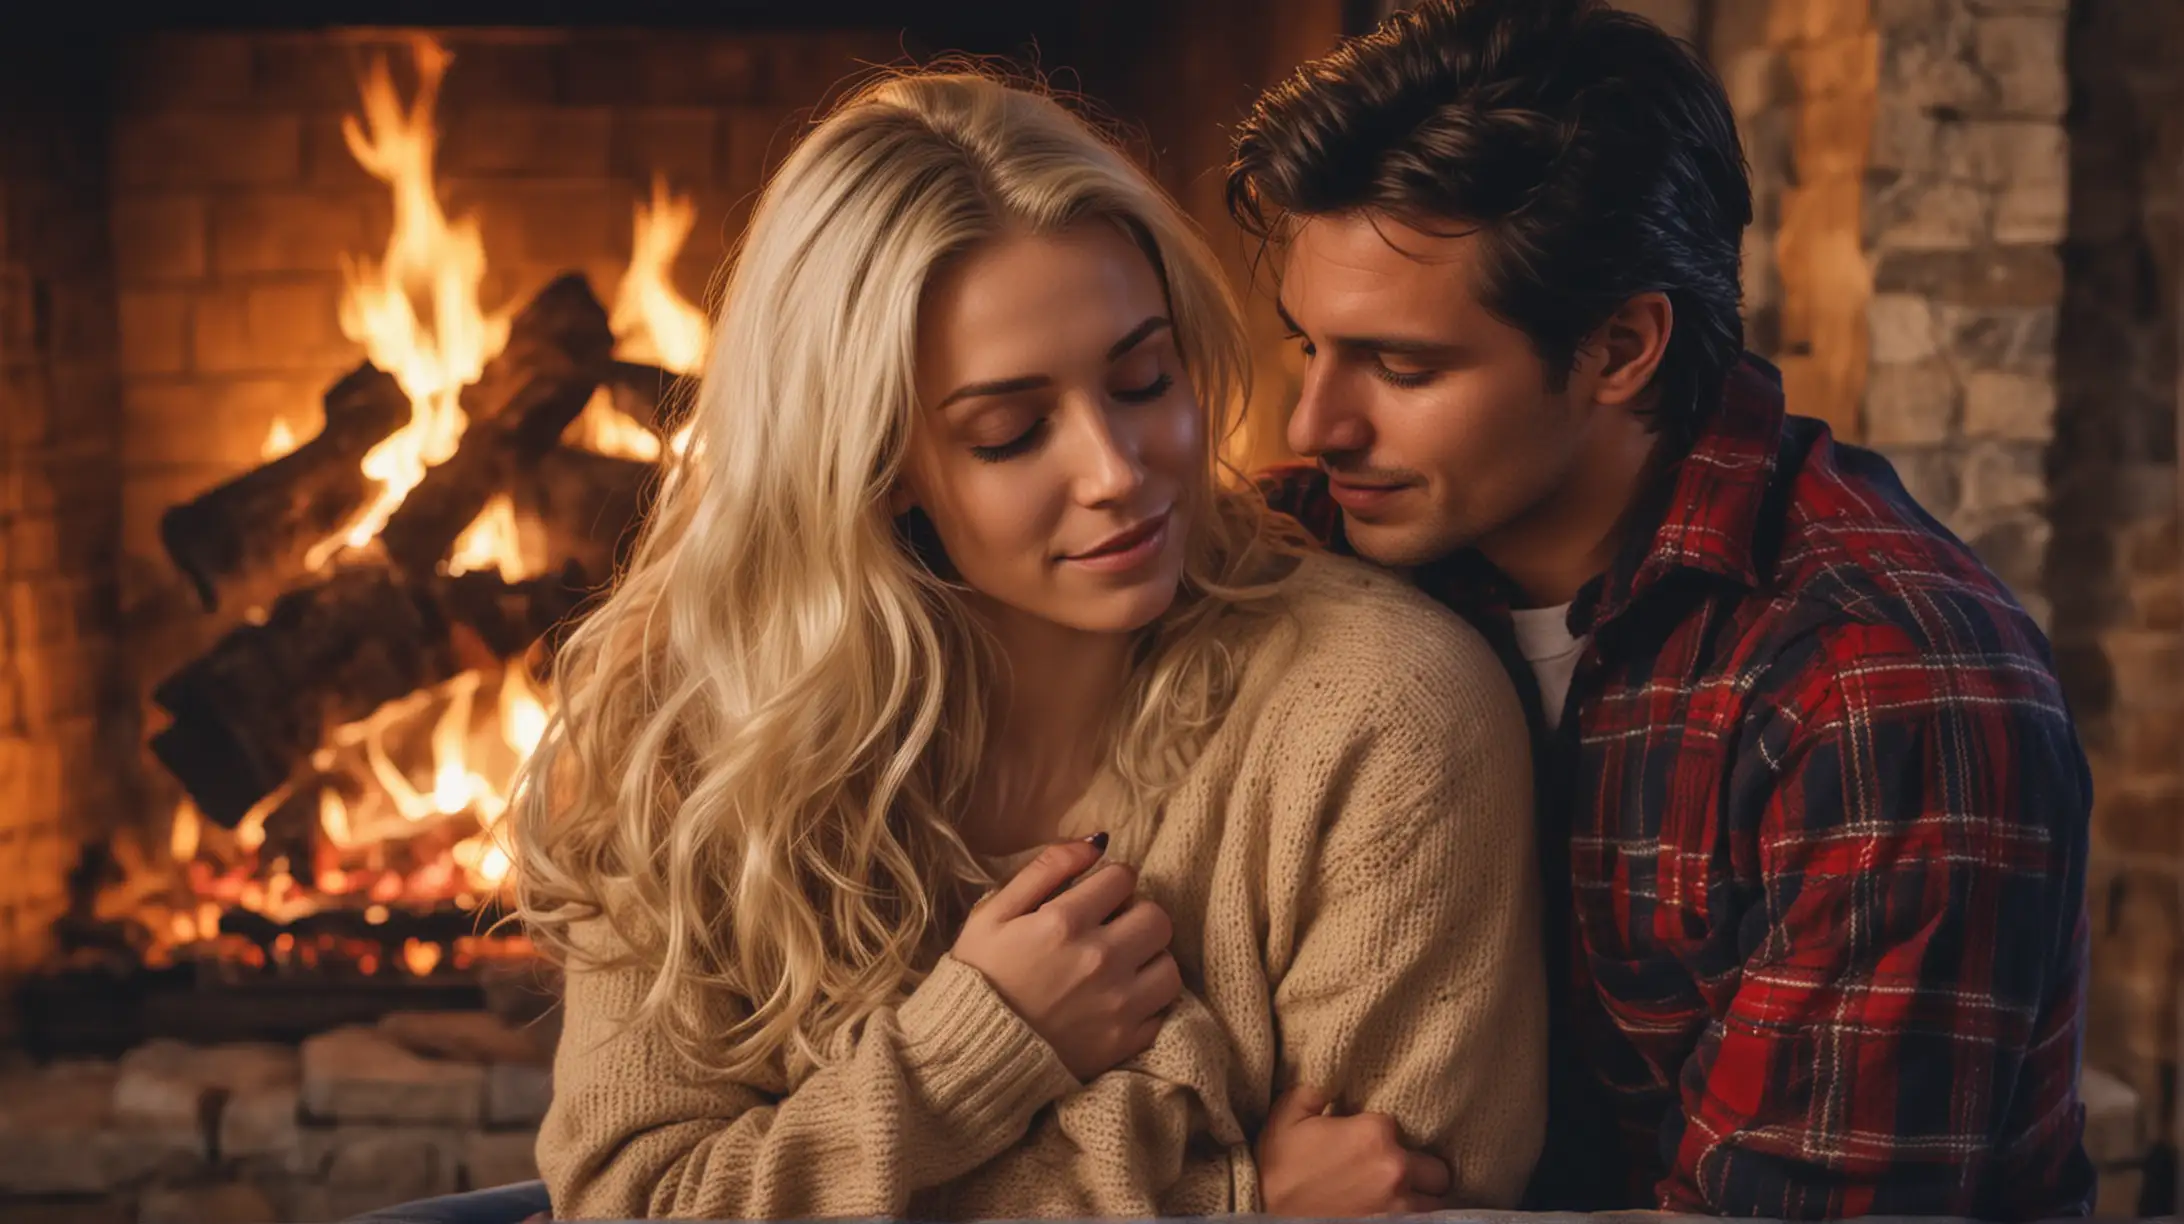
(1915, 816)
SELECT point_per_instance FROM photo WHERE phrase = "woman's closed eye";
(1147, 393)
(1027, 440)
(1022, 444)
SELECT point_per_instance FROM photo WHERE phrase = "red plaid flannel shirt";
(1815, 831)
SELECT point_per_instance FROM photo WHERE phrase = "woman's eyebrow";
(999, 386)
(1033, 382)
(1137, 336)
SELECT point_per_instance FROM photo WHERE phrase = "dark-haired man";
(1815, 811)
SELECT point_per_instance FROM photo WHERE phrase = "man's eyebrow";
(1137, 336)
(1394, 344)
(999, 386)
(1373, 344)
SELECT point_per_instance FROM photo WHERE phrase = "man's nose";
(1321, 422)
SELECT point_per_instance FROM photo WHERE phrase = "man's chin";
(1399, 545)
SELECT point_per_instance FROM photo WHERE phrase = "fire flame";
(604, 428)
(522, 712)
(334, 820)
(430, 262)
(416, 312)
(653, 323)
(491, 542)
(658, 324)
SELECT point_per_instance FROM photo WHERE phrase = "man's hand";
(1317, 1165)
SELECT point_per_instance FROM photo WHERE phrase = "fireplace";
(402, 320)
(336, 367)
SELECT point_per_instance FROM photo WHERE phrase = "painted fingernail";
(1098, 841)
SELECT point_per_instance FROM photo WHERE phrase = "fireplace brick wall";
(235, 201)
(59, 422)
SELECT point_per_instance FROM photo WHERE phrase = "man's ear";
(1634, 341)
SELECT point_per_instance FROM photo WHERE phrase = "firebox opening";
(390, 330)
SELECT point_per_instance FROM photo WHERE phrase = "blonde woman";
(947, 577)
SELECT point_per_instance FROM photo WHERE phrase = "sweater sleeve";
(930, 1089)
(1155, 1137)
(1417, 987)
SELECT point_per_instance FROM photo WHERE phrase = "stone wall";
(1908, 162)
(357, 1119)
(2113, 567)
(1964, 213)
(1741, 42)
(59, 425)
(1822, 281)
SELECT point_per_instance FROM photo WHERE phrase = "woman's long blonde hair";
(764, 733)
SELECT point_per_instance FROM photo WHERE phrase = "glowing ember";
(419, 957)
(250, 834)
(187, 828)
(279, 440)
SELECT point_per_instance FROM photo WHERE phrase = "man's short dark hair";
(1596, 156)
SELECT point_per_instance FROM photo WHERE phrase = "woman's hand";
(1089, 969)
(1314, 1165)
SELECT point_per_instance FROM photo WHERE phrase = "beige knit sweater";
(1350, 870)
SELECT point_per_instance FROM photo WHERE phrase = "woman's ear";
(900, 500)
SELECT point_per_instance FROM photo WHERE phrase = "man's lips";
(1362, 497)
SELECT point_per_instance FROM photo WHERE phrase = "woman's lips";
(1128, 549)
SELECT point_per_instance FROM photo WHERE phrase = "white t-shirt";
(1543, 638)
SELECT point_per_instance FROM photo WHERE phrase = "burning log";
(586, 507)
(434, 926)
(246, 540)
(497, 620)
(292, 828)
(652, 397)
(248, 713)
(558, 351)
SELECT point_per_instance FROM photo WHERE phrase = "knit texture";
(1351, 871)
